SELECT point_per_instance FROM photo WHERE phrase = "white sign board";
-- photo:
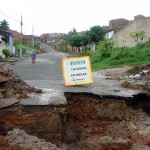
(77, 70)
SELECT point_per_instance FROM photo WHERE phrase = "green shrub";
(95, 59)
(6, 52)
(65, 50)
(23, 50)
(85, 53)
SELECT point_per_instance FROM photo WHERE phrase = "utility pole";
(21, 38)
(32, 37)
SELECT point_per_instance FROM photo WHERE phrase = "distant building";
(2, 46)
(28, 39)
(140, 23)
(115, 25)
(52, 37)
(9, 40)
(17, 35)
(120, 30)
(109, 34)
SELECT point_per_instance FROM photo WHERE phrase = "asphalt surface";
(46, 73)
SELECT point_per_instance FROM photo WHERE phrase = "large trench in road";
(87, 121)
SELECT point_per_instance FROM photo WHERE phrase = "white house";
(2, 46)
(9, 40)
(109, 34)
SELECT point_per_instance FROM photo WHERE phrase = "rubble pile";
(5, 145)
(11, 86)
(132, 77)
(26, 141)
(142, 82)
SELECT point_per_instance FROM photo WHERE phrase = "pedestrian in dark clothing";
(33, 56)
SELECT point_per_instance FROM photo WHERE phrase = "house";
(114, 26)
(91, 47)
(117, 23)
(52, 37)
(109, 34)
(122, 36)
(2, 46)
(9, 40)
(17, 35)
(28, 39)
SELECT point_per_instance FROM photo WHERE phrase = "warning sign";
(77, 70)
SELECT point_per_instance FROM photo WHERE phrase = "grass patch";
(119, 57)
(25, 46)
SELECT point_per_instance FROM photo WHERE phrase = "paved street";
(46, 73)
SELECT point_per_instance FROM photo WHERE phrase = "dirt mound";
(26, 141)
(142, 88)
(11, 86)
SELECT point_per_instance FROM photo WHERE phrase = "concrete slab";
(48, 97)
(112, 87)
(8, 102)
(101, 86)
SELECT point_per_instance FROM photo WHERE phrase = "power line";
(14, 19)
(9, 17)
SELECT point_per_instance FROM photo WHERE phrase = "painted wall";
(109, 35)
(2, 46)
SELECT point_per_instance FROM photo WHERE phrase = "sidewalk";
(11, 60)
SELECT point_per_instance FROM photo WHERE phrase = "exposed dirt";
(94, 123)
(5, 145)
(12, 86)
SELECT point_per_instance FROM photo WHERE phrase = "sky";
(61, 16)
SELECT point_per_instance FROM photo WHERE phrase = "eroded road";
(102, 120)
(47, 73)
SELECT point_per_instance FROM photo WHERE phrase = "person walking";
(33, 56)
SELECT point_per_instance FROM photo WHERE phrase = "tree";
(142, 35)
(138, 36)
(96, 33)
(105, 46)
(84, 40)
(4, 25)
(79, 40)
(73, 32)
(105, 28)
